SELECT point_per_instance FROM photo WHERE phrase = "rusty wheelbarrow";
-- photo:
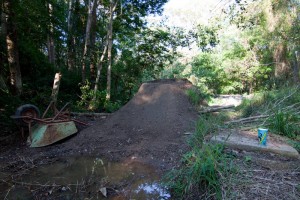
(45, 131)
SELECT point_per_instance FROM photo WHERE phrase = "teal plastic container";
(262, 136)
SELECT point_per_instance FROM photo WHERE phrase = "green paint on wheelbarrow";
(46, 134)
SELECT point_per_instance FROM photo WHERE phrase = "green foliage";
(207, 37)
(206, 124)
(285, 123)
(253, 45)
(199, 173)
(255, 105)
(197, 96)
(268, 27)
(206, 74)
(174, 70)
(141, 49)
(201, 167)
(282, 108)
(295, 144)
(112, 106)
(237, 51)
(87, 100)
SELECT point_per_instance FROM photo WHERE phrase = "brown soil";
(149, 128)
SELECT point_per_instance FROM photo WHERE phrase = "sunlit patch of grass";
(197, 97)
(281, 108)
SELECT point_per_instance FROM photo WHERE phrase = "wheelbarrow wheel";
(27, 110)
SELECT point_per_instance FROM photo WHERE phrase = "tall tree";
(86, 51)
(112, 7)
(12, 48)
(2, 48)
(51, 41)
(70, 37)
(93, 53)
(296, 68)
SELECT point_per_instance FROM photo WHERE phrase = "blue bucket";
(262, 136)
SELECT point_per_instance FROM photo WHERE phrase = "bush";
(112, 106)
(196, 96)
(87, 100)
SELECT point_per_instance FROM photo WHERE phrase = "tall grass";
(282, 108)
(196, 96)
(199, 175)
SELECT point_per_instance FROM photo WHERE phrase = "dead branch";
(89, 114)
(216, 109)
(248, 119)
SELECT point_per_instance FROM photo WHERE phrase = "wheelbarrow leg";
(29, 130)
(22, 131)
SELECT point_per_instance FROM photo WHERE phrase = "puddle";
(87, 177)
(151, 191)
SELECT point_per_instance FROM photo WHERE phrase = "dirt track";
(149, 128)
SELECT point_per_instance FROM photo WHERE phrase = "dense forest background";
(105, 49)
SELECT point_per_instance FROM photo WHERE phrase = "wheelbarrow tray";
(43, 134)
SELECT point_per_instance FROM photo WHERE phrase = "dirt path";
(149, 128)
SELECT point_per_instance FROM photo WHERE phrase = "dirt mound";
(150, 127)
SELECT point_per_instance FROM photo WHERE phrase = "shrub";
(196, 96)
(87, 100)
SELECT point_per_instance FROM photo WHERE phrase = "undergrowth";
(206, 171)
(281, 109)
(196, 96)
(202, 167)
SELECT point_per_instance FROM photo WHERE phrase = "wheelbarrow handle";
(60, 111)
(79, 122)
(27, 117)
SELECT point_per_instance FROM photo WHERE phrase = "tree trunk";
(282, 66)
(86, 49)
(51, 43)
(99, 68)
(2, 46)
(296, 68)
(112, 8)
(55, 88)
(2, 49)
(12, 49)
(92, 46)
(70, 39)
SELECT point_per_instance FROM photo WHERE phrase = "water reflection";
(83, 177)
(152, 191)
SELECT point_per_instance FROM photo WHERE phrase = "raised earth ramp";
(149, 128)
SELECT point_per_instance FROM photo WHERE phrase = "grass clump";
(281, 108)
(197, 97)
(199, 175)
(285, 123)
